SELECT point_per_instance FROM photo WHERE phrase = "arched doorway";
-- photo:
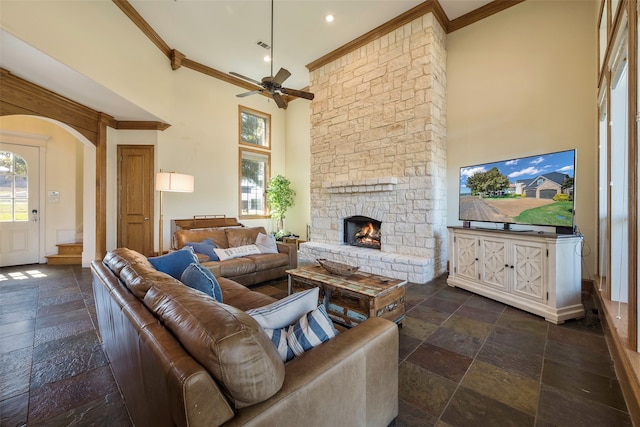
(69, 160)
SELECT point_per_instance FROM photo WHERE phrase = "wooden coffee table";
(351, 300)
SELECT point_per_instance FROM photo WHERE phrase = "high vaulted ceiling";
(224, 35)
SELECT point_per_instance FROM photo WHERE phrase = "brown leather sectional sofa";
(247, 270)
(181, 358)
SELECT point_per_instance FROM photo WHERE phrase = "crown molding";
(481, 13)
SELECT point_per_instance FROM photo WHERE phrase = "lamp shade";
(174, 182)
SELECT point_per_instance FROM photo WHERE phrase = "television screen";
(536, 190)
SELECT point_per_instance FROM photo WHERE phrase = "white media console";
(535, 272)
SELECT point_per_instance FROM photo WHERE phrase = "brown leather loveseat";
(181, 358)
(247, 270)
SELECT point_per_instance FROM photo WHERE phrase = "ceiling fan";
(273, 84)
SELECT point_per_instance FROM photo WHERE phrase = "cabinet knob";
(511, 266)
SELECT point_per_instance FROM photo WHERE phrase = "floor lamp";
(173, 183)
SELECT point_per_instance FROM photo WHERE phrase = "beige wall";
(298, 159)
(523, 82)
(202, 111)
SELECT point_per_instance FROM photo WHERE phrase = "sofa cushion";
(269, 261)
(225, 340)
(236, 252)
(241, 297)
(206, 247)
(232, 267)
(266, 243)
(243, 236)
(140, 276)
(115, 262)
(200, 278)
(174, 263)
(218, 235)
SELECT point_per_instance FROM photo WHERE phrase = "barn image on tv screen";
(536, 190)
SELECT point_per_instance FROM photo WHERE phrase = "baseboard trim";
(623, 357)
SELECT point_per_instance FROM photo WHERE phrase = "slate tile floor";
(464, 360)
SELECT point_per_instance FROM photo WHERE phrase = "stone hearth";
(378, 149)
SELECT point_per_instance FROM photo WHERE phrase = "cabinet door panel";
(528, 262)
(494, 267)
(467, 257)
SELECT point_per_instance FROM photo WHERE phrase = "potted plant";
(280, 197)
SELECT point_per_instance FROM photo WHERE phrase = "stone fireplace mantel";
(371, 185)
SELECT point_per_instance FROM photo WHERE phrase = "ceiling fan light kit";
(273, 84)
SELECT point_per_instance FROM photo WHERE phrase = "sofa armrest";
(351, 379)
(291, 250)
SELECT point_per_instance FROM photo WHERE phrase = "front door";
(135, 198)
(19, 204)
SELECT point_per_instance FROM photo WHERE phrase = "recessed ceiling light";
(267, 58)
(329, 18)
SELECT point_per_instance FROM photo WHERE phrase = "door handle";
(146, 218)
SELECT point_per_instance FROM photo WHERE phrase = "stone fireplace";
(378, 150)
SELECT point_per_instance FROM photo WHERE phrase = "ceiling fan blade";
(249, 79)
(297, 93)
(281, 76)
(253, 92)
(280, 102)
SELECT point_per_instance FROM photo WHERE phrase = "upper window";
(255, 127)
(14, 188)
(255, 162)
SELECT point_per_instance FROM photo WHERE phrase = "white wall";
(521, 83)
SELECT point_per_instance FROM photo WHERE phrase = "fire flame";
(368, 235)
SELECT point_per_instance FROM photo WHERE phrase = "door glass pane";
(21, 208)
(14, 187)
(6, 186)
(6, 210)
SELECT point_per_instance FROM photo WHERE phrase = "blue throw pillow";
(206, 247)
(174, 263)
(198, 277)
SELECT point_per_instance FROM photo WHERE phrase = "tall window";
(14, 188)
(255, 162)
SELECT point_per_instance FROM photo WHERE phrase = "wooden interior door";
(135, 198)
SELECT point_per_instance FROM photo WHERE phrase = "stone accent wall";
(378, 148)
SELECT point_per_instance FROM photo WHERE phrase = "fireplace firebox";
(362, 231)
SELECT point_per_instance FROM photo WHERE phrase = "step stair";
(68, 254)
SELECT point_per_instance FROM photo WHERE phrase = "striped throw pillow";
(310, 330)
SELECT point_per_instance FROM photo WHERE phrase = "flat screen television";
(536, 190)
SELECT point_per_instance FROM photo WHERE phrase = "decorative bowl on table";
(337, 267)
